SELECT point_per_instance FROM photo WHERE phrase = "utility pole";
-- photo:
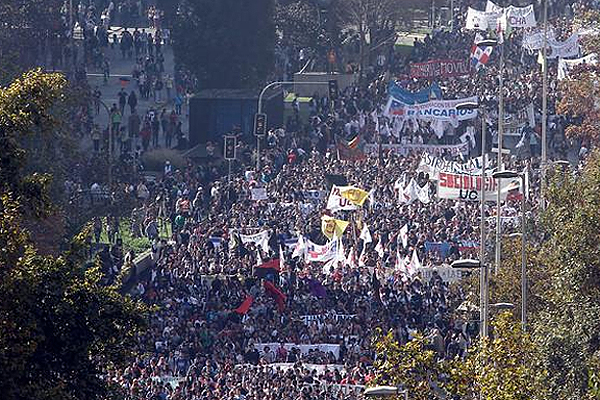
(499, 166)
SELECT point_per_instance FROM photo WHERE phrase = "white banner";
(405, 149)
(447, 273)
(567, 49)
(259, 194)
(433, 165)
(518, 17)
(336, 202)
(440, 110)
(321, 253)
(468, 187)
(260, 239)
(565, 66)
(535, 40)
(481, 20)
(304, 348)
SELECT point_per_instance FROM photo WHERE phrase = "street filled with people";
(271, 283)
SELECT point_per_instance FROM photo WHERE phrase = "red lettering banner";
(440, 69)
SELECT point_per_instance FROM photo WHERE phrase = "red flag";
(273, 264)
(276, 294)
(245, 306)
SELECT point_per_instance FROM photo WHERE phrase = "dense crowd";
(227, 327)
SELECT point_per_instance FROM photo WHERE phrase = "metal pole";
(483, 275)
(71, 32)
(523, 257)
(451, 15)
(499, 163)
(544, 104)
(260, 97)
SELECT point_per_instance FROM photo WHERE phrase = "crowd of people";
(243, 313)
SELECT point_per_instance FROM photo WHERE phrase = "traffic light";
(260, 124)
(229, 151)
(333, 89)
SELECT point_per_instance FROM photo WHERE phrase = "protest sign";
(565, 66)
(433, 165)
(260, 239)
(337, 202)
(442, 110)
(259, 194)
(440, 69)
(448, 274)
(422, 96)
(468, 187)
(405, 149)
(321, 253)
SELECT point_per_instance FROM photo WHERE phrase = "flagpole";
(544, 103)
(499, 166)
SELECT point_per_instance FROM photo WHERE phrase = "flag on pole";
(480, 55)
(379, 248)
(300, 247)
(333, 227)
(356, 195)
(404, 235)
(365, 235)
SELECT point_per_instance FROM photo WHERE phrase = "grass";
(137, 244)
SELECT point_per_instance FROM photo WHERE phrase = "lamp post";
(512, 175)
(385, 391)
(472, 264)
(483, 278)
(259, 111)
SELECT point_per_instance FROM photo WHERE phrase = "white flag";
(423, 193)
(379, 248)
(300, 247)
(365, 235)
(413, 266)
(404, 235)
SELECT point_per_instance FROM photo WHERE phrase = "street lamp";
(472, 264)
(512, 175)
(502, 306)
(488, 42)
(385, 391)
(483, 278)
(260, 102)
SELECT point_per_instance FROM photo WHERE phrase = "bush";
(155, 160)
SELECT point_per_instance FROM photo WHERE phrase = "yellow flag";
(333, 227)
(355, 195)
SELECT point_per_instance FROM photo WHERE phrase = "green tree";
(226, 44)
(412, 365)
(567, 328)
(59, 325)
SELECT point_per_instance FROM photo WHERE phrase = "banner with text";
(468, 187)
(440, 69)
(406, 149)
(433, 165)
(440, 110)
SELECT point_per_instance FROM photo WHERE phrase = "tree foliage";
(298, 25)
(504, 367)
(59, 326)
(567, 329)
(227, 43)
(579, 100)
